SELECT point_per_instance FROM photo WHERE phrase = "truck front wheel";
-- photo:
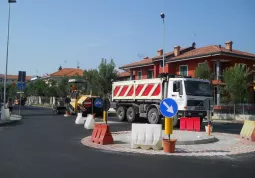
(153, 116)
(121, 113)
(131, 115)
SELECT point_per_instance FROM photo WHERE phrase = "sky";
(45, 34)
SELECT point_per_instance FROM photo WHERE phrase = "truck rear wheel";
(121, 113)
(153, 116)
(131, 115)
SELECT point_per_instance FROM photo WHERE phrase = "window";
(139, 75)
(184, 70)
(150, 74)
(161, 63)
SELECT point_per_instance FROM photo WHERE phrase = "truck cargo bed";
(150, 89)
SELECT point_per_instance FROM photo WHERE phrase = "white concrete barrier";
(80, 119)
(5, 113)
(15, 117)
(90, 122)
(146, 136)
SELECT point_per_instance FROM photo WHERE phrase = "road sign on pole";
(168, 107)
(22, 76)
(21, 86)
(98, 103)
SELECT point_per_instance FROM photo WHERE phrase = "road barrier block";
(190, 124)
(80, 119)
(183, 121)
(90, 122)
(248, 130)
(146, 136)
(5, 113)
(102, 135)
(196, 123)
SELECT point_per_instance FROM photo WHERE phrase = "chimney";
(229, 45)
(160, 52)
(194, 45)
(177, 50)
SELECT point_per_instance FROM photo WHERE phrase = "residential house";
(183, 61)
(11, 79)
(65, 72)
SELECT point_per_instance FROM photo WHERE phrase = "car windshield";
(198, 88)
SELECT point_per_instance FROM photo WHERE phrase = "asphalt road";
(43, 145)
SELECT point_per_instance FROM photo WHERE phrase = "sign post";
(168, 108)
(21, 85)
(20, 100)
(106, 105)
(208, 105)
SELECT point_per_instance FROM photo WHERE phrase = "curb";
(5, 122)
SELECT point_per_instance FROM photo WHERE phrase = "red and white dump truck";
(141, 98)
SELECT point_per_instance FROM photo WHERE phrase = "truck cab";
(190, 94)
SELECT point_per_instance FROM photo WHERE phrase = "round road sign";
(87, 103)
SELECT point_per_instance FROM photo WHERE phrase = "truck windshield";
(198, 88)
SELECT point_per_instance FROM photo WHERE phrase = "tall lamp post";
(162, 15)
(7, 49)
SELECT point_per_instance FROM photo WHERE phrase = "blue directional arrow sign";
(168, 107)
(21, 86)
(98, 103)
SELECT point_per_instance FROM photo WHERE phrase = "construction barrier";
(90, 122)
(80, 119)
(5, 113)
(196, 124)
(248, 130)
(190, 124)
(183, 121)
(101, 134)
(146, 136)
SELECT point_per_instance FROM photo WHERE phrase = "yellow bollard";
(168, 126)
(105, 116)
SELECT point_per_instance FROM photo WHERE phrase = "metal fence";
(242, 108)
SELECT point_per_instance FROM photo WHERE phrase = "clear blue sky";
(49, 33)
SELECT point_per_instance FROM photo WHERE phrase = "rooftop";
(69, 72)
(212, 49)
(14, 77)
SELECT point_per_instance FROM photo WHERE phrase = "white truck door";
(175, 91)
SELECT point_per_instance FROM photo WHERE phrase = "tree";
(203, 71)
(11, 91)
(107, 72)
(40, 88)
(92, 78)
(236, 79)
(100, 80)
(63, 88)
(52, 89)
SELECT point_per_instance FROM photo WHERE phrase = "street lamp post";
(7, 49)
(164, 33)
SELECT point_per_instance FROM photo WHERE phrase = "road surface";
(43, 145)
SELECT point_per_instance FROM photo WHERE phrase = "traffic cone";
(67, 113)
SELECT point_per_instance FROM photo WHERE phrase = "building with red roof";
(184, 61)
